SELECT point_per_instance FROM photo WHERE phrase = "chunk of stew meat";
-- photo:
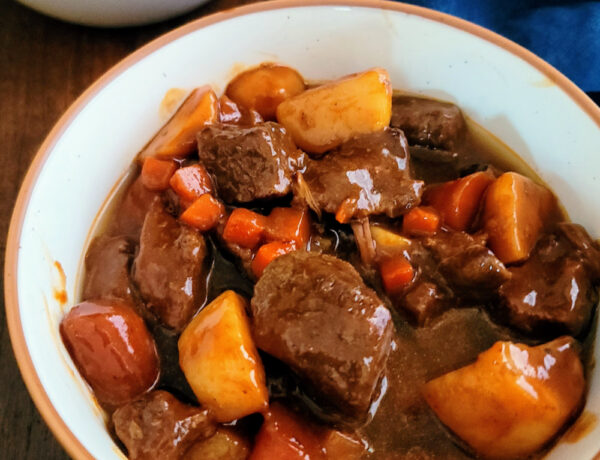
(314, 313)
(369, 174)
(169, 268)
(250, 163)
(157, 425)
(555, 289)
(427, 122)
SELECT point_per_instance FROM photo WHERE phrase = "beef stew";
(360, 276)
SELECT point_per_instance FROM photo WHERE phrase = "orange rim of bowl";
(58, 426)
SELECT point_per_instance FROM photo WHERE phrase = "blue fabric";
(564, 33)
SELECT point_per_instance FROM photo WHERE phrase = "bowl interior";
(97, 139)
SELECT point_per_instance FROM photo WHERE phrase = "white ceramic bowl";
(112, 13)
(515, 95)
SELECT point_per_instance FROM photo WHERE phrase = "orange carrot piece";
(191, 182)
(346, 210)
(269, 252)
(458, 201)
(288, 224)
(177, 138)
(516, 210)
(156, 173)
(285, 436)
(396, 273)
(422, 219)
(204, 213)
(244, 228)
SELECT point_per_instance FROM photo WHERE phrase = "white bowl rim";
(56, 424)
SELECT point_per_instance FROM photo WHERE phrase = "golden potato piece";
(322, 118)
(177, 138)
(388, 242)
(516, 210)
(513, 399)
(264, 88)
(220, 361)
(225, 444)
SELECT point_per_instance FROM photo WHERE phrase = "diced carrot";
(396, 273)
(285, 436)
(204, 213)
(422, 219)
(288, 224)
(177, 138)
(345, 211)
(191, 182)
(458, 201)
(156, 173)
(244, 228)
(269, 252)
(516, 210)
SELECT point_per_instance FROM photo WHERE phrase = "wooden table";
(44, 65)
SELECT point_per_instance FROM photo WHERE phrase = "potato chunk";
(264, 88)
(513, 399)
(220, 361)
(177, 138)
(516, 209)
(324, 117)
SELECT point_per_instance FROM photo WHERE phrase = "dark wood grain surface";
(44, 65)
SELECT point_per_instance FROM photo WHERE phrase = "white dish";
(112, 13)
(519, 98)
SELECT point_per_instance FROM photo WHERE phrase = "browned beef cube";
(553, 291)
(159, 426)
(424, 301)
(427, 122)
(466, 263)
(107, 264)
(314, 313)
(249, 163)
(129, 216)
(169, 268)
(367, 175)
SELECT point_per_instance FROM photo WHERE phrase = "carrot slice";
(288, 224)
(244, 228)
(191, 182)
(177, 138)
(516, 210)
(204, 213)
(269, 252)
(396, 273)
(422, 219)
(346, 210)
(458, 201)
(156, 173)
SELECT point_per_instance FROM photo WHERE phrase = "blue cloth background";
(564, 33)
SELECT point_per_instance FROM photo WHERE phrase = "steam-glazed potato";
(513, 399)
(322, 118)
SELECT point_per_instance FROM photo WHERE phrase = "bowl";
(515, 95)
(112, 13)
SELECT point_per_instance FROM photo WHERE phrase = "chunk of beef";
(169, 268)
(129, 216)
(554, 291)
(314, 313)
(107, 264)
(467, 264)
(427, 122)
(369, 174)
(159, 426)
(249, 163)
(424, 301)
